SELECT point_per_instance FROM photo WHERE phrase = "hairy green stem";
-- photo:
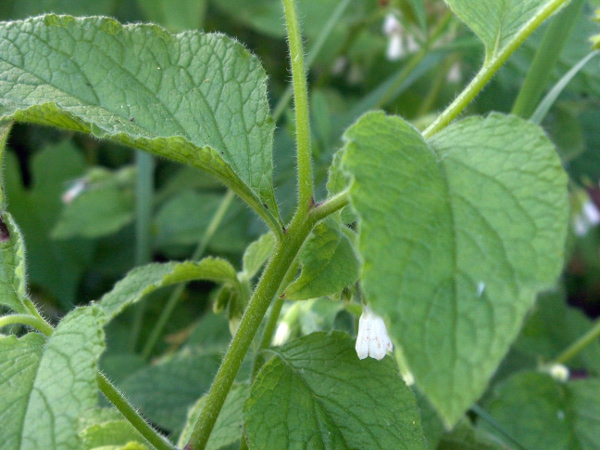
(143, 218)
(312, 55)
(129, 412)
(165, 314)
(25, 319)
(489, 69)
(545, 59)
(584, 341)
(303, 148)
(331, 205)
(267, 288)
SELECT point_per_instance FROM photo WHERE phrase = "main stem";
(284, 254)
(305, 172)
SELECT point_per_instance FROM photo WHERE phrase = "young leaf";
(143, 280)
(457, 236)
(229, 426)
(497, 23)
(540, 412)
(329, 264)
(44, 389)
(111, 433)
(315, 393)
(257, 254)
(195, 98)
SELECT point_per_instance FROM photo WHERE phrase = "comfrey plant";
(440, 236)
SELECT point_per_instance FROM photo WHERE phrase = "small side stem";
(489, 69)
(129, 412)
(330, 206)
(176, 294)
(584, 341)
(303, 135)
(25, 319)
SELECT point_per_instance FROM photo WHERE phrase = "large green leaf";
(195, 98)
(497, 22)
(540, 412)
(457, 236)
(329, 263)
(45, 388)
(146, 279)
(315, 393)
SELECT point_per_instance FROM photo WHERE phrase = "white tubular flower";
(373, 339)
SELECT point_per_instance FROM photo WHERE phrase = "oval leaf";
(325, 397)
(457, 236)
(195, 98)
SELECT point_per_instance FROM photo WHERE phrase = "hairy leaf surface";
(195, 98)
(457, 236)
(316, 393)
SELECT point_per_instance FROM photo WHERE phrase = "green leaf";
(164, 391)
(114, 432)
(20, 9)
(187, 15)
(95, 213)
(329, 264)
(316, 393)
(229, 425)
(465, 437)
(54, 265)
(457, 236)
(256, 255)
(497, 23)
(13, 271)
(196, 98)
(541, 412)
(45, 388)
(143, 280)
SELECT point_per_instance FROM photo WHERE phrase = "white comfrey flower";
(392, 28)
(559, 372)
(588, 217)
(373, 339)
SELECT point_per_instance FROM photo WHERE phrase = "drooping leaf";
(457, 235)
(164, 391)
(195, 98)
(329, 264)
(54, 265)
(541, 412)
(316, 393)
(229, 425)
(145, 279)
(45, 388)
(496, 23)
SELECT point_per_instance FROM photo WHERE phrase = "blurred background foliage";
(77, 200)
